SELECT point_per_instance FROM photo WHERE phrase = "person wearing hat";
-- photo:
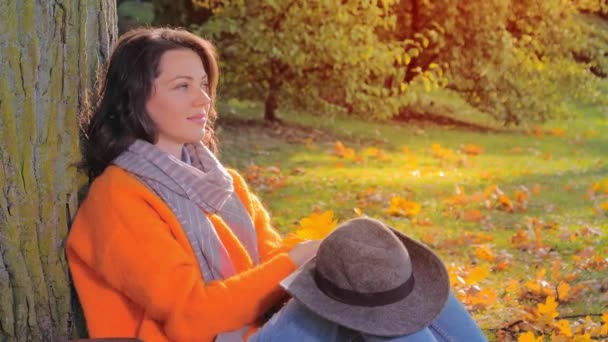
(369, 282)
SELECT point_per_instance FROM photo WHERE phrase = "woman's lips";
(198, 119)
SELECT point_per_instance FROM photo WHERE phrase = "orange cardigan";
(137, 276)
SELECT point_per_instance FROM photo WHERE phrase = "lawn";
(510, 212)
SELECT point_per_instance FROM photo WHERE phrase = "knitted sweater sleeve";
(137, 254)
(270, 242)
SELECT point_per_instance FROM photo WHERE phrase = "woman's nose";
(202, 97)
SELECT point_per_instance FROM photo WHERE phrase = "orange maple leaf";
(484, 252)
(343, 151)
(505, 203)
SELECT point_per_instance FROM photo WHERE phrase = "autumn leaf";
(520, 239)
(484, 252)
(473, 149)
(558, 132)
(473, 215)
(504, 202)
(483, 298)
(604, 330)
(537, 131)
(476, 275)
(400, 206)
(529, 337)
(548, 309)
(563, 291)
(343, 151)
(317, 226)
(442, 153)
(601, 187)
(564, 327)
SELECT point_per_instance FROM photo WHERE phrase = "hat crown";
(364, 256)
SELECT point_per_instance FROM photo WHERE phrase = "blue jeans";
(296, 323)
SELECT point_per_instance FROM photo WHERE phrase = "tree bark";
(49, 55)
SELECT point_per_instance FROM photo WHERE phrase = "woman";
(139, 247)
(169, 245)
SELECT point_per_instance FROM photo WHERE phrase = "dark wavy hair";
(118, 116)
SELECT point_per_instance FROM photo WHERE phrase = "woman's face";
(179, 103)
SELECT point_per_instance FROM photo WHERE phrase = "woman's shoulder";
(115, 183)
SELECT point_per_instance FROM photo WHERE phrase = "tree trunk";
(49, 55)
(271, 104)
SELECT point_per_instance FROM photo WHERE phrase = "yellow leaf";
(484, 298)
(549, 308)
(317, 226)
(601, 186)
(582, 338)
(604, 330)
(529, 337)
(399, 206)
(476, 275)
(563, 291)
(564, 327)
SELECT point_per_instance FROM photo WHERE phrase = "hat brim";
(414, 312)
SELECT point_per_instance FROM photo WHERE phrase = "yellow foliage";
(317, 226)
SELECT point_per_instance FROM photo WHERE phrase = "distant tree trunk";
(272, 97)
(49, 55)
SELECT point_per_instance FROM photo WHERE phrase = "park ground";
(518, 215)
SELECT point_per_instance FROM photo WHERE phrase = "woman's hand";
(304, 251)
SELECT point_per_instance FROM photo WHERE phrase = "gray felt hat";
(373, 279)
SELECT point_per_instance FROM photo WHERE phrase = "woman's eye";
(182, 86)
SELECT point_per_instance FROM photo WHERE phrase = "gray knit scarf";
(193, 187)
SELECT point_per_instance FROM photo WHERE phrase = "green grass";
(303, 150)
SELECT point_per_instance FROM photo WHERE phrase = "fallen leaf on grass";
(317, 226)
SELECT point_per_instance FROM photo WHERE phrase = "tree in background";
(518, 61)
(50, 54)
(316, 55)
